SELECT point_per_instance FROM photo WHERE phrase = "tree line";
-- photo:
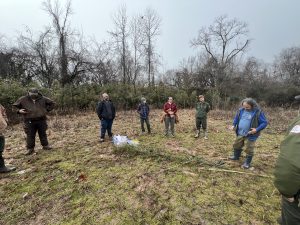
(73, 69)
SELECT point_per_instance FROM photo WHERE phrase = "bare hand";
(252, 131)
(290, 199)
(23, 111)
(231, 127)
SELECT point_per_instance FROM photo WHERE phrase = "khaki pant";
(239, 143)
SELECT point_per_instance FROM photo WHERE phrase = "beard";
(34, 96)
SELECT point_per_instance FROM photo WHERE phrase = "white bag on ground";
(119, 140)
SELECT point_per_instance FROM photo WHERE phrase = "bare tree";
(60, 16)
(151, 23)
(137, 41)
(287, 65)
(103, 68)
(43, 55)
(224, 40)
(120, 36)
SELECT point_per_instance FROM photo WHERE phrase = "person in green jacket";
(287, 174)
(202, 108)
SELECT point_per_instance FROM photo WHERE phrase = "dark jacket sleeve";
(287, 169)
(113, 108)
(49, 104)
(207, 108)
(18, 103)
(99, 109)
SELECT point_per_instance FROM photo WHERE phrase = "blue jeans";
(106, 125)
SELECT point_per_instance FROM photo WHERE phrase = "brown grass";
(178, 180)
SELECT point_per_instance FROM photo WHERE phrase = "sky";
(273, 24)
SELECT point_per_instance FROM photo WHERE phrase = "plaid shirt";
(143, 110)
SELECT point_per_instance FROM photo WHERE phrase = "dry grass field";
(179, 180)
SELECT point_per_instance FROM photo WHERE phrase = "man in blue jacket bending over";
(248, 122)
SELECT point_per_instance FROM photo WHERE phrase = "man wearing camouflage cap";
(287, 174)
(33, 107)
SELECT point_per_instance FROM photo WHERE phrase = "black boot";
(236, 154)
(47, 147)
(247, 162)
(3, 168)
(30, 151)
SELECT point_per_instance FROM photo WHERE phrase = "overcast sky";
(273, 24)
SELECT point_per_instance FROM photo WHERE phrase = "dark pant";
(106, 125)
(30, 128)
(2, 144)
(290, 212)
(145, 120)
(201, 122)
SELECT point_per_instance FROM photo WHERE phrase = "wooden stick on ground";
(233, 171)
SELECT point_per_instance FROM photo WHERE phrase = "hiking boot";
(30, 151)
(205, 135)
(245, 166)
(101, 140)
(236, 154)
(6, 169)
(172, 135)
(247, 162)
(197, 134)
(47, 147)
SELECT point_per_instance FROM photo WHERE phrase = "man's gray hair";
(251, 102)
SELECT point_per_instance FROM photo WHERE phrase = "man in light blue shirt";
(248, 122)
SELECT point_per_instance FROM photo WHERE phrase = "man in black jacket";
(106, 112)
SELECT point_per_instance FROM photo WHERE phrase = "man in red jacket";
(170, 110)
